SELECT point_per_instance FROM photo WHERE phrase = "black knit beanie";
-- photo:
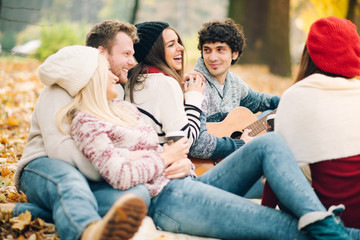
(148, 33)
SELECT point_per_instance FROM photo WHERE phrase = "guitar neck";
(232, 126)
(259, 125)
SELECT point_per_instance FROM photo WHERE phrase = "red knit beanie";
(334, 45)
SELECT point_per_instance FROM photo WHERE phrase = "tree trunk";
(134, 12)
(266, 28)
(251, 14)
(277, 46)
(353, 13)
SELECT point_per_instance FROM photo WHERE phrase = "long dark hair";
(156, 58)
(308, 67)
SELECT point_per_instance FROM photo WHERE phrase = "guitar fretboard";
(259, 125)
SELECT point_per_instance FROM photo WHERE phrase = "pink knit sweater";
(124, 156)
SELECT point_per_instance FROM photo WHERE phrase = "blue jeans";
(257, 189)
(58, 191)
(212, 205)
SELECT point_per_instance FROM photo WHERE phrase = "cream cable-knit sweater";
(319, 118)
(110, 148)
(45, 139)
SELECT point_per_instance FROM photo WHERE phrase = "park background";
(31, 30)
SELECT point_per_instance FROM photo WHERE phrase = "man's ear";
(235, 55)
(101, 49)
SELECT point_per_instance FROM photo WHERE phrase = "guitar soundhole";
(236, 135)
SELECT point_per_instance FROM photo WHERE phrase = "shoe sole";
(124, 218)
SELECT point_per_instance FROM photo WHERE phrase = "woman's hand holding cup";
(175, 155)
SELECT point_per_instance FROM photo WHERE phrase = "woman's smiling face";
(111, 91)
(173, 49)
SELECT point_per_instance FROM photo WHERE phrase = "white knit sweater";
(319, 118)
(161, 100)
(45, 139)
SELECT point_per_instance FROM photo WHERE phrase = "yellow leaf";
(3, 140)
(12, 121)
(21, 221)
(32, 237)
(4, 171)
(5, 181)
(2, 198)
(40, 222)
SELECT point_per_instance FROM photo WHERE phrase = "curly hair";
(226, 31)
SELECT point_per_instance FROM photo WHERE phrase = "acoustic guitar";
(232, 126)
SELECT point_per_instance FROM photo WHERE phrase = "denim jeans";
(58, 191)
(212, 205)
(257, 189)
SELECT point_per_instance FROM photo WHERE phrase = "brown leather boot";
(120, 222)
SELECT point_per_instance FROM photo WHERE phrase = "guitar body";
(232, 126)
(235, 122)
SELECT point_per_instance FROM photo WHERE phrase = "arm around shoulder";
(57, 144)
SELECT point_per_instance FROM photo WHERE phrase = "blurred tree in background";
(275, 30)
(271, 26)
(353, 12)
(266, 27)
(53, 39)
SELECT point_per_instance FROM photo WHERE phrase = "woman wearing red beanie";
(319, 115)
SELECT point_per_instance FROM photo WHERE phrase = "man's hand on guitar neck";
(245, 136)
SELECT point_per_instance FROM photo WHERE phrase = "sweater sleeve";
(257, 101)
(174, 116)
(193, 101)
(94, 139)
(209, 146)
(58, 145)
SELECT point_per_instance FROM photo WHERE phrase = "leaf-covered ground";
(19, 90)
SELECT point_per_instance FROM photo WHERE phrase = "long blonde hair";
(92, 99)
